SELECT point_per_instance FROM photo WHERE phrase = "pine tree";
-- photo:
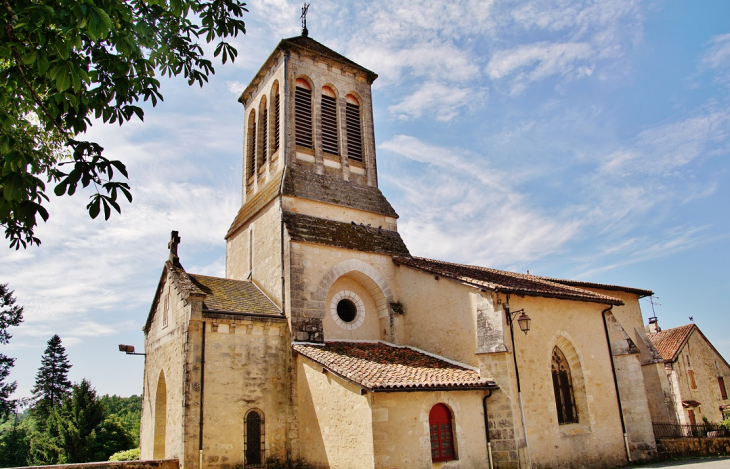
(10, 315)
(51, 382)
(78, 419)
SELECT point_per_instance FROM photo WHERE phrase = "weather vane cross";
(305, 9)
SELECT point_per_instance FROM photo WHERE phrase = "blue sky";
(574, 139)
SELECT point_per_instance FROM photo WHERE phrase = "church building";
(329, 343)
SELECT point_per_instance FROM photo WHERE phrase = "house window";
(442, 436)
(263, 130)
(721, 383)
(253, 439)
(251, 142)
(354, 130)
(692, 379)
(329, 121)
(303, 113)
(563, 388)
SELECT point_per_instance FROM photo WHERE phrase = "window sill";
(574, 429)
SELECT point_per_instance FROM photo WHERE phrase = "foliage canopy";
(63, 61)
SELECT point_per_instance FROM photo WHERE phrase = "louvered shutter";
(303, 116)
(329, 125)
(354, 132)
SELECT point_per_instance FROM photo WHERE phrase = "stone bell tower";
(309, 176)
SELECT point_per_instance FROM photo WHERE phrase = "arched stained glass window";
(442, 436)
(563, 388)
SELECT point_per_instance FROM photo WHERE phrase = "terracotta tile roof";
(503, 281)
(308, 229)
(336, 191)
(253, 205)
(669, 342)
(383, 367)
(233, 296)
(602, 286)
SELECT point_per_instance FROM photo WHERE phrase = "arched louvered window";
(251, 145)
(303, 113)
(329, 121)
(254, 437)
(442, 436)
(263, 133)
(563, 388)
(276, 105)
(354, 129)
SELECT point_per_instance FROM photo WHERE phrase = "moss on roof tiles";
(308, 229)
(504, 281)
(233, 296)
(336, 191)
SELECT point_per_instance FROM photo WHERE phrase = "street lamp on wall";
(129, 349)
(524, 322)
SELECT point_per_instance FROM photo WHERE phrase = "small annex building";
(329, 343)
(696, 373)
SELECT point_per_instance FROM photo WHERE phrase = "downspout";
(615, 383)
(486, 428)
(202, 395)
(285, 150)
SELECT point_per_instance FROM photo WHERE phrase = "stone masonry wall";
(150, 464)
(164, 345)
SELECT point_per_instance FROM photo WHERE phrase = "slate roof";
(257, 202)
(383, 367)
(669, 342)
(603, 286)
(233, 296)
(315, 230)
(505, 282)
(322, 188)
(306, 42)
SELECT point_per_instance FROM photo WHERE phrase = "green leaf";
(94, 206)
(29, 58)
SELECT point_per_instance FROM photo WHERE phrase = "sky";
(576, 139)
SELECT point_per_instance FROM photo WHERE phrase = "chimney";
(653, 326)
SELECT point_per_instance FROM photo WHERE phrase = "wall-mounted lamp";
(129, 350)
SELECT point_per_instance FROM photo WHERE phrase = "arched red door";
(442, 437)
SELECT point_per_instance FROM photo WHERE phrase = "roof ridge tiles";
(510, 282)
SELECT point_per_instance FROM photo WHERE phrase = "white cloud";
(540, 60)
(467, 210)
(440, 101)
(667, 148)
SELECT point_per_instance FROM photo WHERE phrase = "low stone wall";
(696, 446)
(151, 464)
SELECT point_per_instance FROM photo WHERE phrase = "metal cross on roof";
(172, 245)
(305, 9)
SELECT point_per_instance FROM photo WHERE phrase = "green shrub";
(129, 455)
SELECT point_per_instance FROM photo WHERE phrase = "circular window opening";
(346, 310)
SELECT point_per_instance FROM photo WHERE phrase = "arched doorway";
(160, 417)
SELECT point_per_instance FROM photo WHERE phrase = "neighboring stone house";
(329, 343)
(696, 372)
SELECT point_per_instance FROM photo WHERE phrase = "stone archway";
(364, 274)
(160, 418)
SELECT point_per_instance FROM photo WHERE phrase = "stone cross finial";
(305, 9)
(172, 245)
